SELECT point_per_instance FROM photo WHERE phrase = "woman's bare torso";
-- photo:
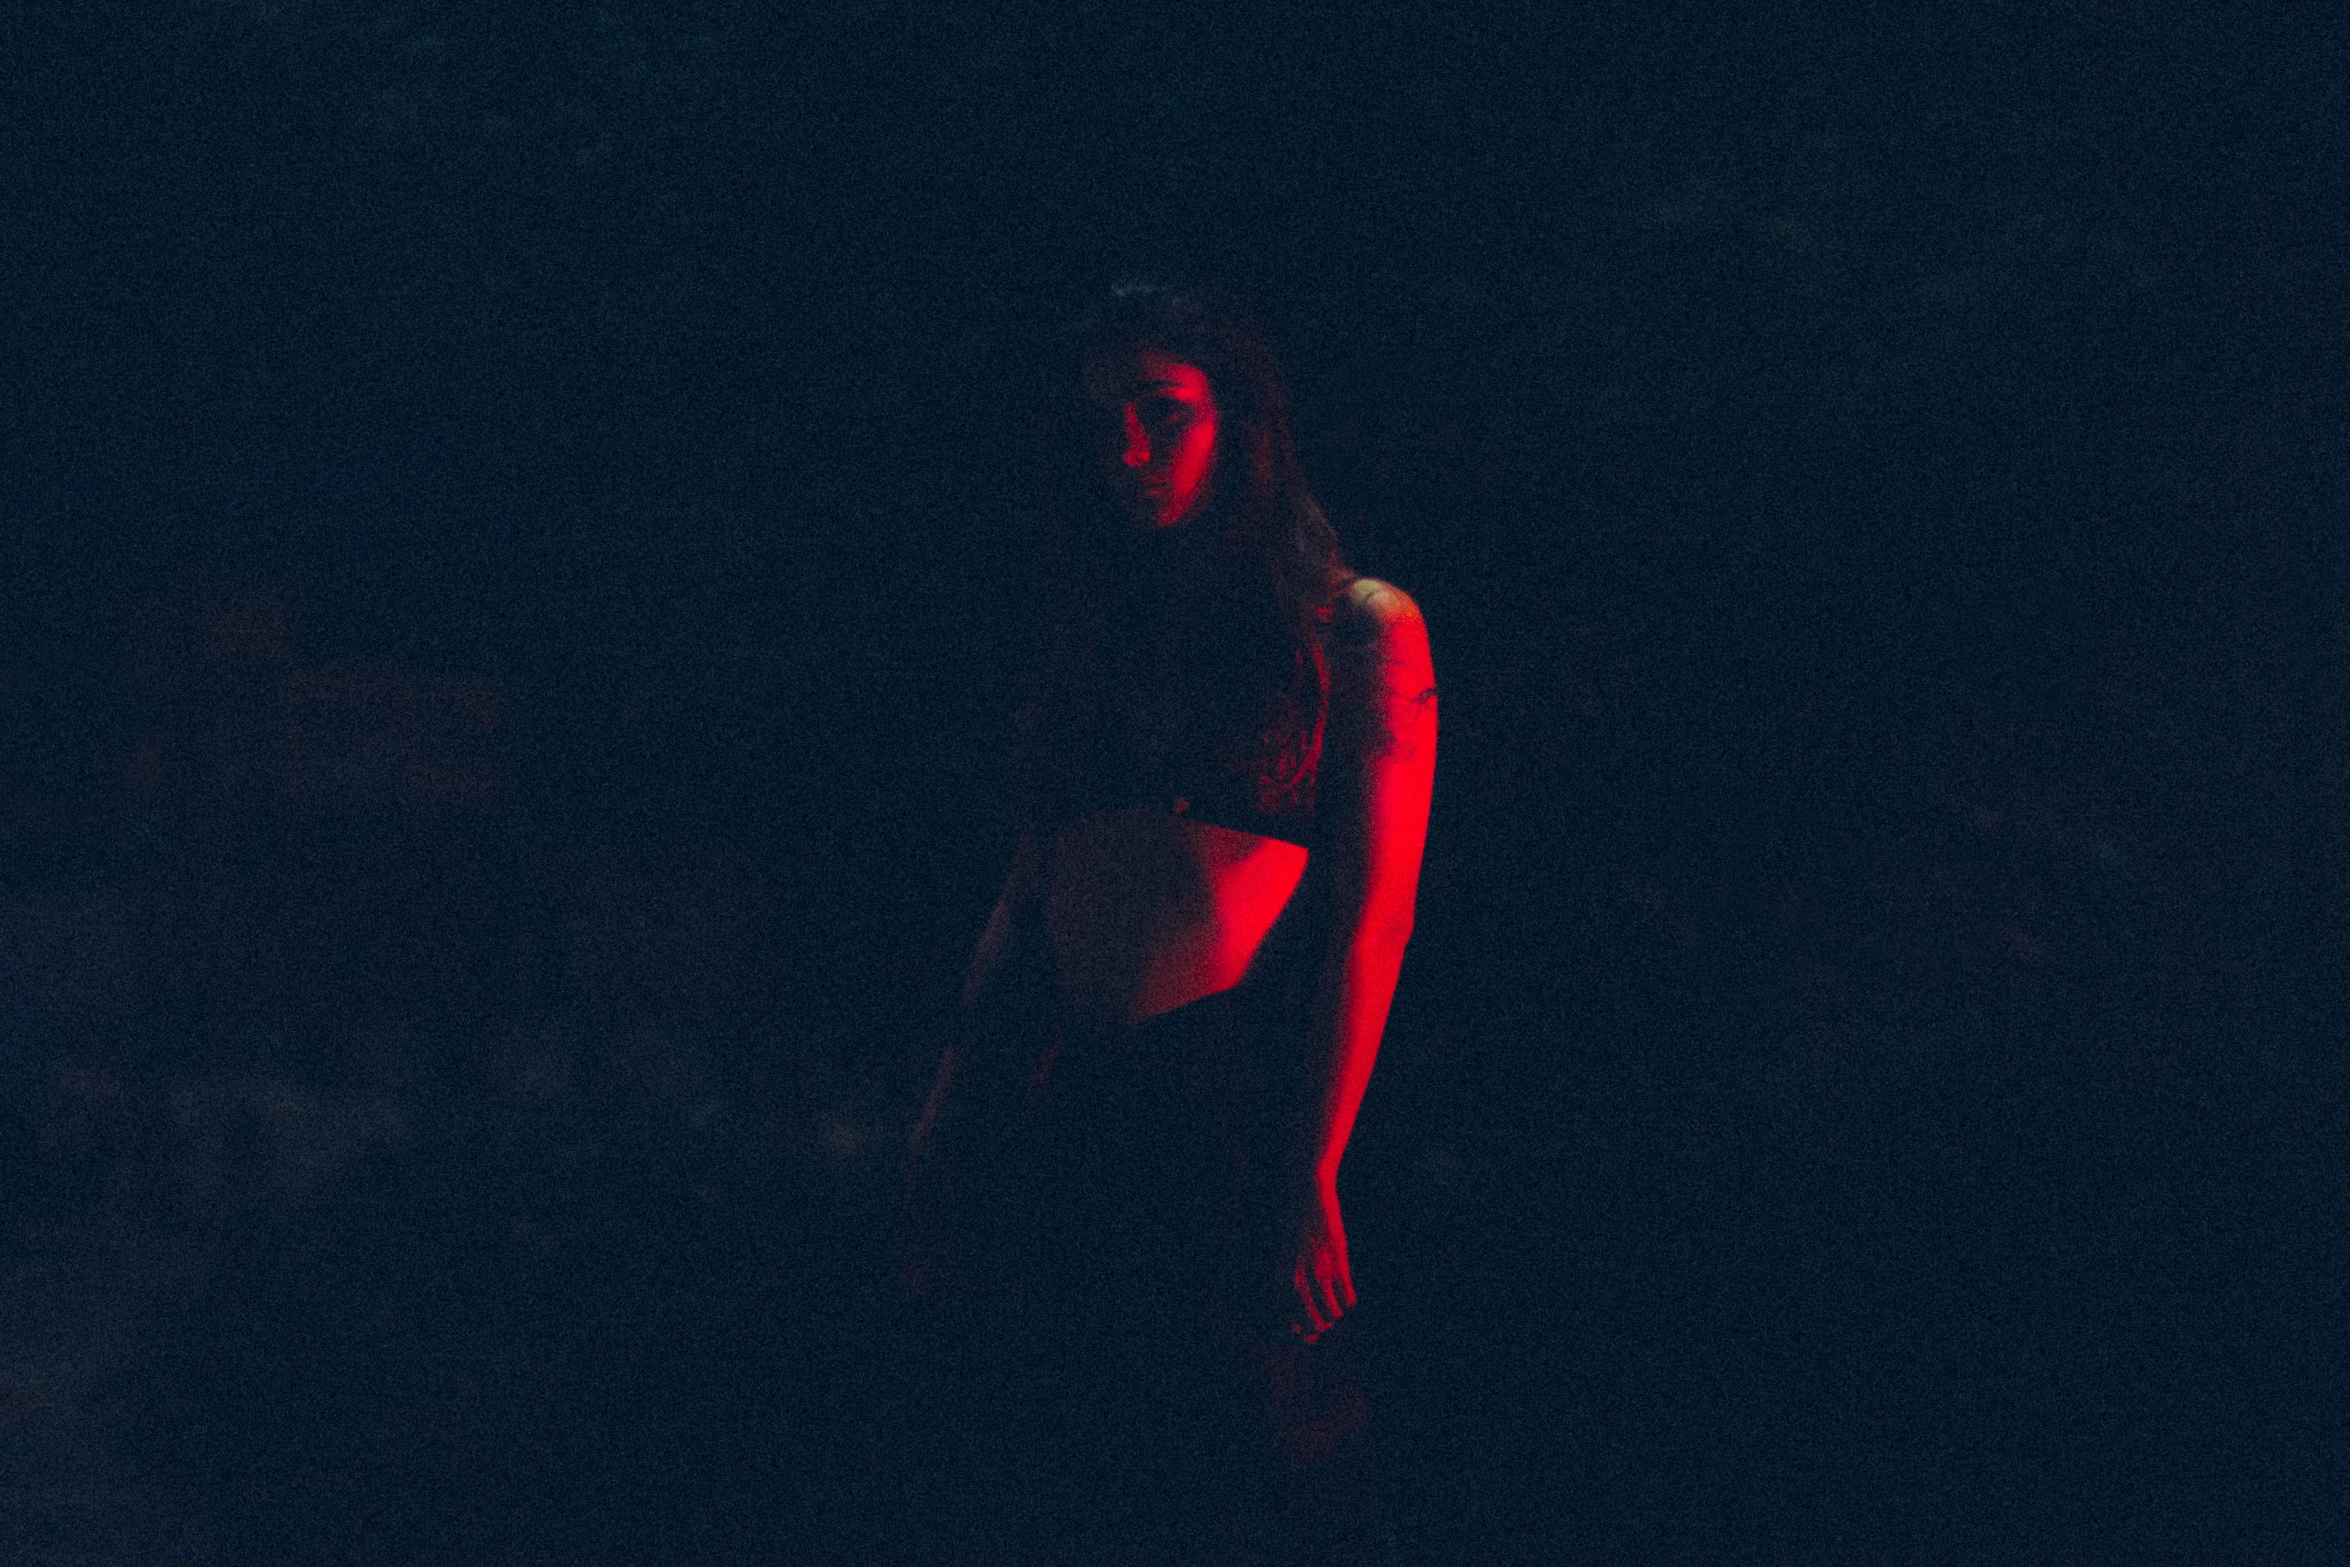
(1146, 912)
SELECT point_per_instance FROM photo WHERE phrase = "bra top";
(1227, 800)
(1143, 760)
(1083, 750)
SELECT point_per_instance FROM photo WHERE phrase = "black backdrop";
(516, 583)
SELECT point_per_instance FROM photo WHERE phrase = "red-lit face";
(1158, 420)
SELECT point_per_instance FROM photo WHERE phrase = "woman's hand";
(1321, 1287)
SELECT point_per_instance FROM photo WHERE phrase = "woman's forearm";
(1358, 982)
(950, 1061)
(994, 941)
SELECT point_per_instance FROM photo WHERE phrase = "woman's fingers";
(1324, 1285)
(1316, 1319)
(1321, 1303)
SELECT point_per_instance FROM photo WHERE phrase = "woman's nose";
(1138, 446)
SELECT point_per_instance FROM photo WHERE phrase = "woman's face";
(1157, 421)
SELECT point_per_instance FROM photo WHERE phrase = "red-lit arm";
(1380, 765)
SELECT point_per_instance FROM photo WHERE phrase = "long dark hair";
(1257, 573)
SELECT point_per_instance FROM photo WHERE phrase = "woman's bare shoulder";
(1382, 682)
(1375, 612)
(1380, 647)
(1382, 600)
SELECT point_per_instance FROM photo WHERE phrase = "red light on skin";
(1160, 453)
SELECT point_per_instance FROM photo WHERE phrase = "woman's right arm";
(1024, 883)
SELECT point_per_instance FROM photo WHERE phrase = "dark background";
(515, 586)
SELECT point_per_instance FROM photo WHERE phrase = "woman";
(1173, 1011)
